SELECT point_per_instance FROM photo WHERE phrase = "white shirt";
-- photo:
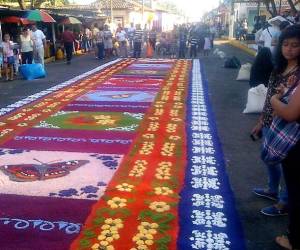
(37, 38)
(131, 31)
(267, 36)
(121, 36)
(207, 43)
(26, 43)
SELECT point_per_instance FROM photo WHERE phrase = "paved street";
(228, 97)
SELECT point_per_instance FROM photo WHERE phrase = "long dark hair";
(289, 32)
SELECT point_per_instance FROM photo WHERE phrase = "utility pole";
(231, 23)
(143, 4)
(111, 12)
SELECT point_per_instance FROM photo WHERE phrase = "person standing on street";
(131, 31)
(26, 47)
(121, 38)
(182, 42)
(152, 38)
(8, 58)
(138, 39)
(68, 39)
(100, 43)
(95, 31)
(39, 42)
(108, 43)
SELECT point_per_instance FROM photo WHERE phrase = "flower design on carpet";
(118, 96)
(5, 151)
(104, 120)
(110, 161)
(117, 121)
(89, 192)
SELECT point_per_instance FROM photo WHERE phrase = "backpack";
(232, 63)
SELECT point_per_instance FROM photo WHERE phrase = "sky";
(193, 8)
(196, 8)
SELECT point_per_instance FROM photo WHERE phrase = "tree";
(292, 4)
(22, 4)
(273, 10)
(33, 4)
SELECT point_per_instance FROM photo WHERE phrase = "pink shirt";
(7, 49)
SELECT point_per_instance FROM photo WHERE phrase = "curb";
(243, 47)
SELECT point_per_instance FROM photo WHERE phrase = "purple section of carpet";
(137, 88)
(134, 107)
(104, 142)
(142, 76)
(32, 209)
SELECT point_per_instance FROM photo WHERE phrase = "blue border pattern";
(208, 217)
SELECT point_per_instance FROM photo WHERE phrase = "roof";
(76, 12)
(119, 4)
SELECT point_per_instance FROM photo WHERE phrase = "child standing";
(8, 58)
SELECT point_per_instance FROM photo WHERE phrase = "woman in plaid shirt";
(287, 67)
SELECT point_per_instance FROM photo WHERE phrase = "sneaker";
(275, 210)
(265, 194)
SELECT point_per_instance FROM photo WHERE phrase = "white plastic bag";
(256, 99)
(244, 73)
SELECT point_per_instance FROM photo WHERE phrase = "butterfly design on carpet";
(41, 171)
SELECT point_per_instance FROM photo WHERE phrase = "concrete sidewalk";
(245, 169)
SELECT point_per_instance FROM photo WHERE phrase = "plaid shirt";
(274, 82)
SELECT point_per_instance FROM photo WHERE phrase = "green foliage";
(27, 4)
(85, 243)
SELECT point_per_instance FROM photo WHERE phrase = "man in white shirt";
(267, 36)
(131, 31)
(121, 38)
(39, 42)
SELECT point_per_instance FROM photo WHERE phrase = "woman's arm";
(289, 112)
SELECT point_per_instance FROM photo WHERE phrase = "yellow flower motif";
(163, 191)
(46, 110)
(148, 228)
(108, 235)
(174, 137)
(125, 187)
(97, 246)
(163, 170)
(27, 110)
(117, 202)
(104, 119)
(23, 124)
(165, 164)
(143, 239)
(148, 136)
(164, 176)
(112, 224)
(175, 119)
(159, 206)
(153, 118)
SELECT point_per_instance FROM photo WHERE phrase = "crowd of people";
(277, 65)
(183, 41)
(131, 41)
(31, 47)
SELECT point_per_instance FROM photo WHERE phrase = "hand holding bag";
(281, 137)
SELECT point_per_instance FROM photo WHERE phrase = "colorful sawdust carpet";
(125, 156)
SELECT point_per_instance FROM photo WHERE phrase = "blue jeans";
(274, 177)
(100, 50)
